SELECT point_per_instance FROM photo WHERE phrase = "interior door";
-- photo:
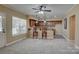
(2, 32)
(72, 27)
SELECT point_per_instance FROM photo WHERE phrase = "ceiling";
(58, 10)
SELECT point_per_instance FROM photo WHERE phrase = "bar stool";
(35, 34)
(44, 34)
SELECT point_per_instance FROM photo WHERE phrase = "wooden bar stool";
(35, 34)
(44, 34)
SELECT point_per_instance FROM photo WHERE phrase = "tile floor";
(40, 46)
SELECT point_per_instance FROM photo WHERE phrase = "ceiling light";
(41, 12)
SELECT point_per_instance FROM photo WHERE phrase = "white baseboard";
(15, 41)
(66, 37)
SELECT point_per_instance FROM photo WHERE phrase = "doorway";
(72, 27)
(2, 32)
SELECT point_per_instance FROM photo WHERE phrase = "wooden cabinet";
(49, 33)
(32, 22)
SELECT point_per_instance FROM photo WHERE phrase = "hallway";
(40, 46)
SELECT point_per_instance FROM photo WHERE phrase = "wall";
(8, 17)
(58, 28)
(71, 12)
(65, 32)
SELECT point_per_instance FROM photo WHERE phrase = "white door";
(2, 32)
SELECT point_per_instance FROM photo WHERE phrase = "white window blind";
(19, 26)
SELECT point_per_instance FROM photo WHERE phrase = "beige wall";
(8, 17)
(71, 12)
(59, 29)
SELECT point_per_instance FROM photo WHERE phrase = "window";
(0, 23)
(18, 26)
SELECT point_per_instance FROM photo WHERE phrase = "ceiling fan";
(41, 8)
